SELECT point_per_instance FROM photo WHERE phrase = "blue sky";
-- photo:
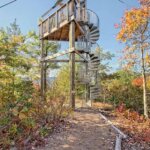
(27, 13)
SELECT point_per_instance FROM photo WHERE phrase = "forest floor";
(85, 131)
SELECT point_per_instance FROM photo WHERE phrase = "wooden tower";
(72, 22)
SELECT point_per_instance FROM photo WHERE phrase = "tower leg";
(43, 73)
(72, 64)
(86, 86)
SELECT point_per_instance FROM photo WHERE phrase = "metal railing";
(82, 44)
(87, 15)
(93, 18)
(95, 49)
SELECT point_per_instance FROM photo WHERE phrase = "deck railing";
(64, 15)
(56, 20)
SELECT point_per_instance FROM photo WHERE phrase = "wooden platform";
(56, 26)
(62, 33)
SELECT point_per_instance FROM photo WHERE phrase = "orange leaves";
(134, 32)
(132, 22)
(137, 82)
(133, 123)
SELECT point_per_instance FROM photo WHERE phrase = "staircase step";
(94, 36)
(91, 54)
(93, 28)
(93, 98)
(95, 94)
(92, 42)
(94, 39)
(91, 25)
(95, 91)
(93, 66)
(98, 89)
(94, 57)
(95, 60)
(95, 31)
(94, 63)
(94, 69)
(94, 87)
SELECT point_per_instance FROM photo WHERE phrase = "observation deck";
(55, 26)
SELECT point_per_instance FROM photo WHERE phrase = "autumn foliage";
(136, 125)
(134, 32)
(138, 82)
(131, 22)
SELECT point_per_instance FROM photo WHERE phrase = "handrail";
(48, 12)
(96, 50)
(87, 16)
(91, 11)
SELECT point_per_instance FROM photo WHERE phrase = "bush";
(118, 88)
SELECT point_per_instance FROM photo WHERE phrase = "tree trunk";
(144, 84)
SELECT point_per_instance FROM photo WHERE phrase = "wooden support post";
(72, 64)
(86, 86)
(43, 72)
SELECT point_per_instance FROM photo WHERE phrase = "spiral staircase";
(90, 47)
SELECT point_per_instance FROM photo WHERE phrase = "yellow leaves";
(147, 58)
(17, 39)
(22, 116)
(132, 22)
(148, 82)
(15, 111)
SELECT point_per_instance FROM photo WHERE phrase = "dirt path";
(87, 132)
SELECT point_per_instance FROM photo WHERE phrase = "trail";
(87, 132)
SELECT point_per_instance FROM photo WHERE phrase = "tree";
(135, 33)
(20, 106)
(13, 59)
(105, 57)
(33, 46)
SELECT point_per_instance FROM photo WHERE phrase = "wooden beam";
(72, 64)
(58, 54)
(63, 61)
(43, 72)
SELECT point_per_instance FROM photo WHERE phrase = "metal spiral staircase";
(89, 45)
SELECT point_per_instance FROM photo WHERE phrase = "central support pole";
(72, 64)
(87, 85)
